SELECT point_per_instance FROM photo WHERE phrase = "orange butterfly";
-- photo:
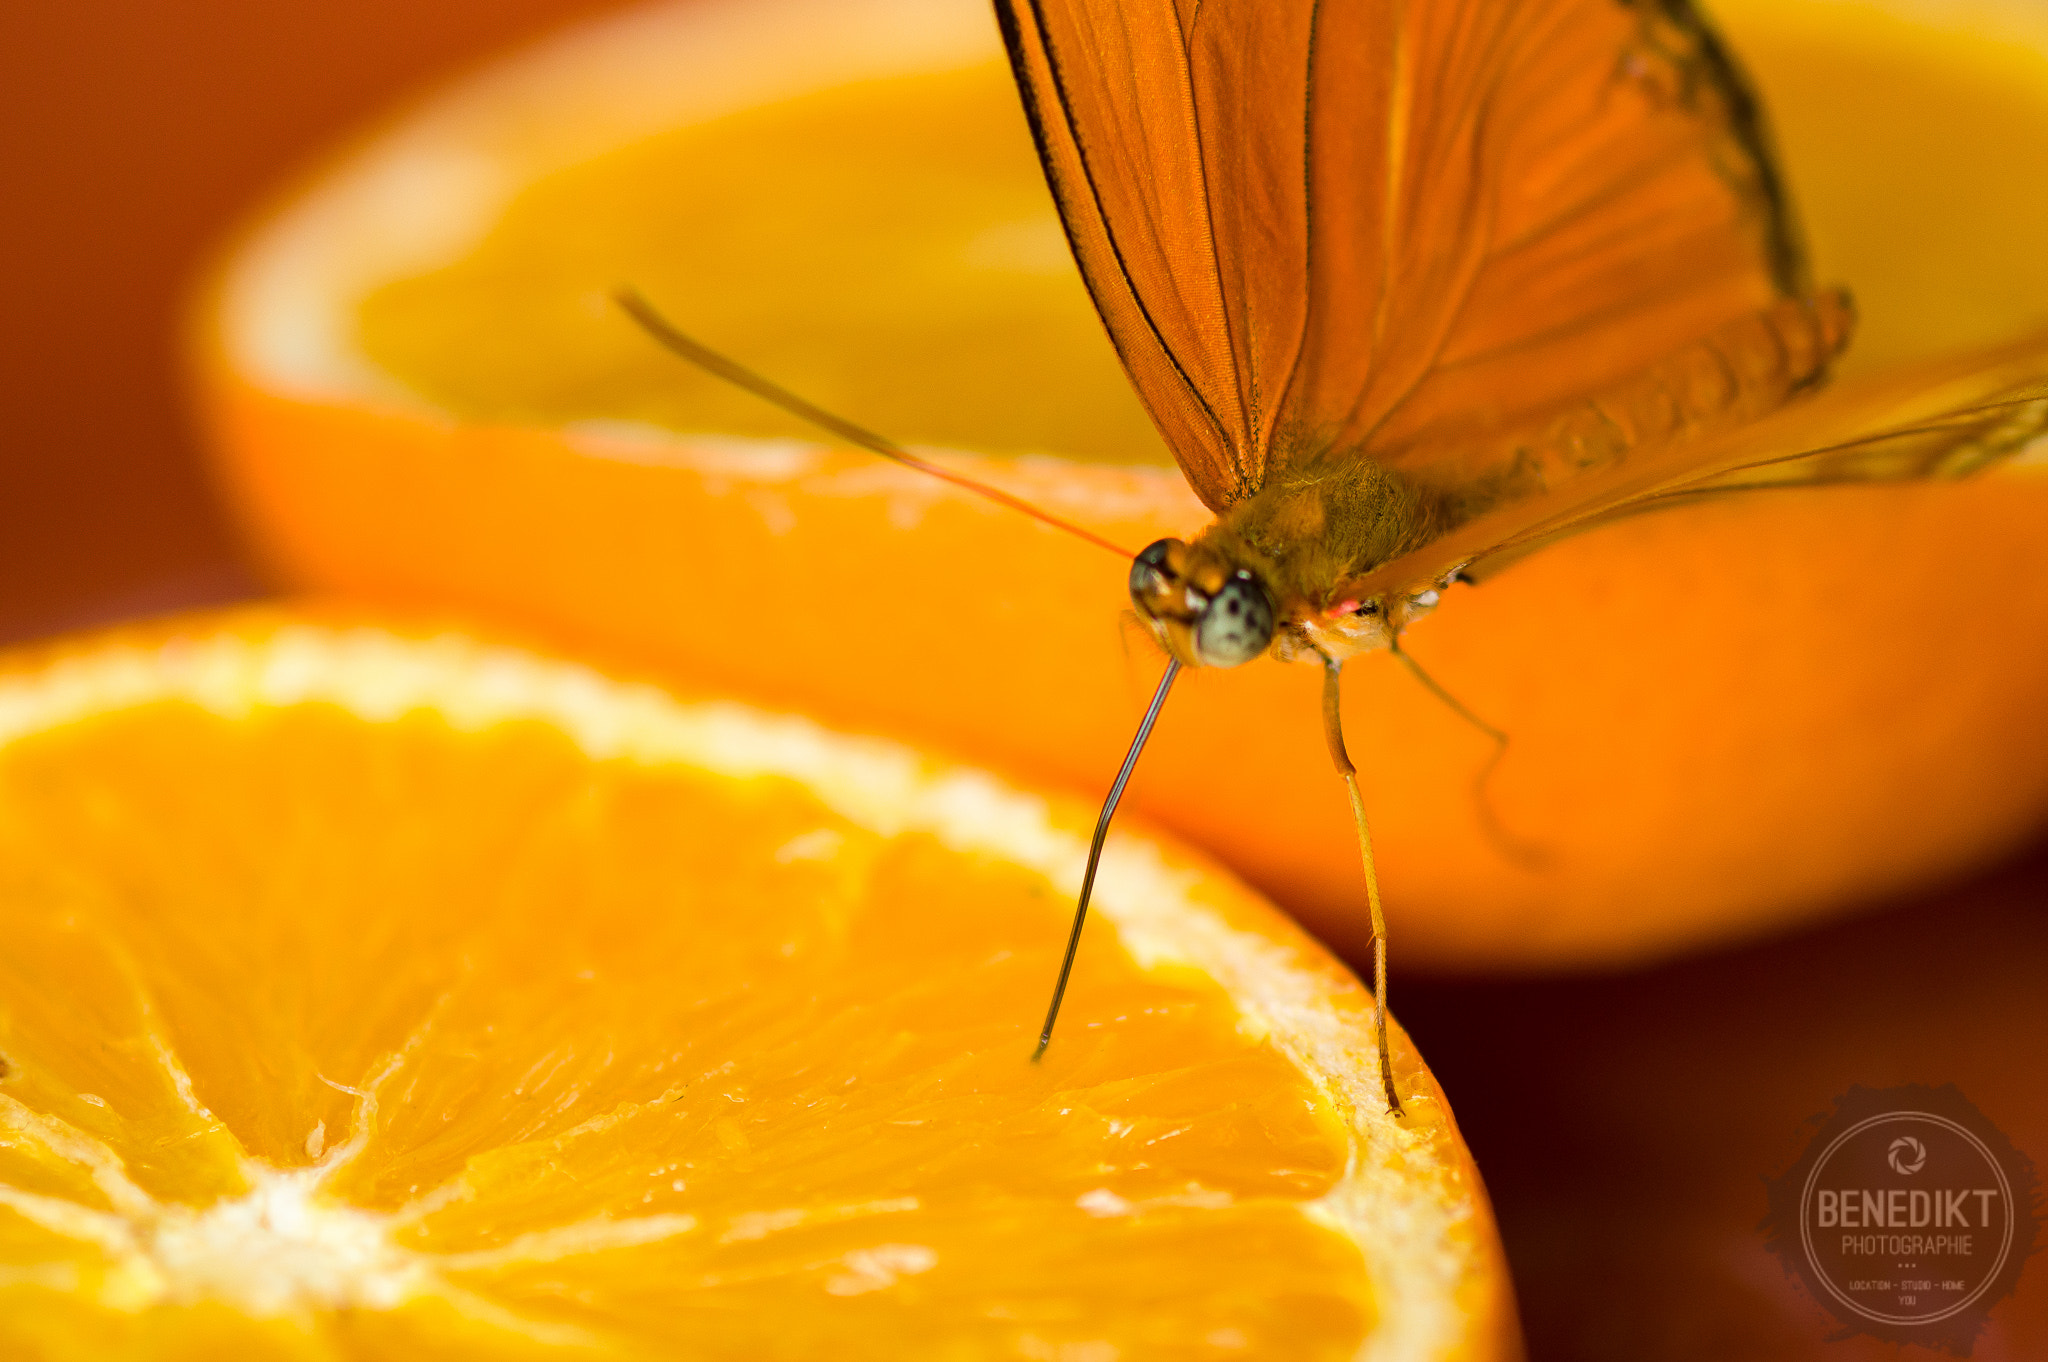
(1414, 287)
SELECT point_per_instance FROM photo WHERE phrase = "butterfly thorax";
(1278, 570)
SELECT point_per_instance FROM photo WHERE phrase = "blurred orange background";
(1626, 1123)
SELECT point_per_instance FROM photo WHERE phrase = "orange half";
(1721, 718)
(374, 993)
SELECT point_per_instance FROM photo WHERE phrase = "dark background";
(1626, 1123)
(133, 134)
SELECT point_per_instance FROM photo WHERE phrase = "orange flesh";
(639, 1058)
(1914, 152)
(886, 249)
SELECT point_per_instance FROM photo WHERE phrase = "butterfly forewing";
(1574, 199)
(1127, 161)
(1386, 229)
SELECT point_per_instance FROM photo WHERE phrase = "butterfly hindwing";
(1942, 418)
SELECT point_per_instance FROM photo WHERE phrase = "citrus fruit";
(390, 994)
(1721, 718)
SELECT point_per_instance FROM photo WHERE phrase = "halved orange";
(1721, 718)
(384, 993)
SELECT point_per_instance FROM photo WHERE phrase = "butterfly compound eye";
(1149, 572)
(1237, 625)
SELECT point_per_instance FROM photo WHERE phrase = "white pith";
(284, 1248)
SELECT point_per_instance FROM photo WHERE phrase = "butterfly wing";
(1944, 418)
(1409, 230)
(1159, 144)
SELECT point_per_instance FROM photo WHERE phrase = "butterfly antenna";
(1514, 848)
(1116, 792)
(654, 324)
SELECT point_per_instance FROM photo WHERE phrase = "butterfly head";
(1202, 609)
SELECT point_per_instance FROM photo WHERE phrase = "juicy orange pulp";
(1721, 718)
(372, 994)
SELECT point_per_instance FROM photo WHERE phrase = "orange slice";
(383, 994)
(1722, 718)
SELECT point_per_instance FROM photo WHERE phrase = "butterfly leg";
(1525, 854)
(1333, 729)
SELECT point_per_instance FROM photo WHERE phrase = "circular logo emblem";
(1908, 1216)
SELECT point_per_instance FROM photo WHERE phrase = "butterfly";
(1413, 288)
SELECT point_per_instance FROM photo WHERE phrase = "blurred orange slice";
(1722, 718)
(387, 994)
